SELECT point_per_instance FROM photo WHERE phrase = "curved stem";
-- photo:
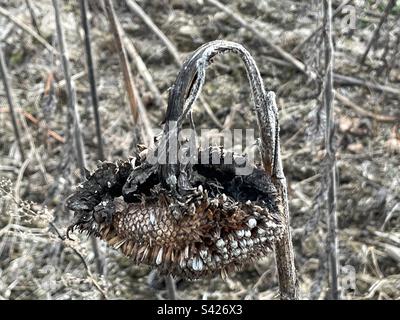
(187, 88)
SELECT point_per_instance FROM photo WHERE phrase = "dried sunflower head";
(219, 225)
(192, 219)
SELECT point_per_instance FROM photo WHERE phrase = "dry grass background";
(36, 264)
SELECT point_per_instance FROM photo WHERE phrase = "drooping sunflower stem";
(190, 81)
(184, 93)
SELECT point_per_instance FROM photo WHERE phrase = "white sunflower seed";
(159, 256)
(252, 223)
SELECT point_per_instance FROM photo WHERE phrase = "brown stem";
(189, 83)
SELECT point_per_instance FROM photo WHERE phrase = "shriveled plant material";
(189, 220)
(209, 229)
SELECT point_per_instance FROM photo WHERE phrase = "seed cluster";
(220, 236)
(214, 221)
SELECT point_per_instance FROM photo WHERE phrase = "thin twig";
(34, 150)
(11, 104)
(80, 256)
(92, 79)
(29, 30)
(16, 200)
(394, 58)
(328, 98)
(136, 104)
(347, 80)
(375, 35)
(40, 89)
(6, 31)
(289, 60)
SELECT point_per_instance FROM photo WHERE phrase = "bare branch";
(128, 79)
(72, 114)
(35, 121)
(378, 117)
